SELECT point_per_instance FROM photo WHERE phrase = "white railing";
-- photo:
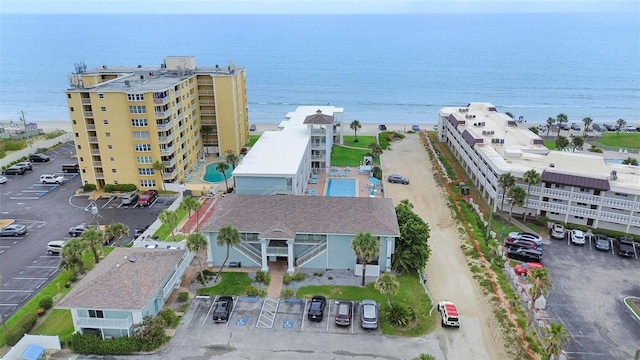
(250, 252)
(168, 150)
(105, 323)
(277, 250)
(312, 253)
(169, 175)
(609, 216)
(617, 203)
(583, 211)
(164, 127)
(88, 114)
(553, 207)
(165, 139)
(85, 101)
(586, 197)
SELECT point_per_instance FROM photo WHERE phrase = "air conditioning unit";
(482, 123)
(501, 141)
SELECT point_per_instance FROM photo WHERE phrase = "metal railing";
(312, 253)
(105, 323)
(250, 252)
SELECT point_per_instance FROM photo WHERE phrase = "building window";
(559, 186)
(148, 183)
(101, 95)
(137, 109)
(71, 108)
(115, 182)
(114, 171)
(81, 159)
(68, 96)
(103, 108)
(77, 135)
(139, 122)
(105, 121)
(79, 147)
(143, 147)
(146, 171)
(74, 122)
(110, 147)
(112, 159)
(144, 159)
(619, 194)
(140, 135)
(107, 134)
(584, 190)
(96, 314)
(135, 97)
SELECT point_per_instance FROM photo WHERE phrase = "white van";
(55, 247)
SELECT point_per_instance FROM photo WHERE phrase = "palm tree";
(509, 114)
(367, 248)
(550, 122)
(530, 177)
(355, 126)
(205, 130)
(375, 149)
(541, 281)
(621, 123)
(577, 142)
(189, 203)
(630, 161)
(197, 206)
(561, 118)
(561, 142)
(195, 243)
(116, 231)
(554, 336)
(169, 218)
(71, 255)
(587, 122)
(506, 181)
(158, 167)
(222, 167)
(232, 159)
(227, 236)
(518, 195)
(387, 284)
(94, 238)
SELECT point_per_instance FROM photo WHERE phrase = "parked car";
(14, 170)
(382, 127)
(415, 127)
(55, 246)
(395, 179)
(526, 236)
(51, 179)
(577, 237)
(3, 179)
(316, 309)
(13, 230)
(26, 165)
(77, 230)
(449, 314)
(564, 126)
(129, 199)
(343, 317)
(252, 127)
(524, 254)
(558, 232)
(575, 126)
(626, 247)
(147, 198)
(523, 269)
(70, 168)
(140, 230)
(517, 242)
(542, 127)
(39, 158)
(602, 242)
(369, 314)
(222, 309)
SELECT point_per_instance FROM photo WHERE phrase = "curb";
(624, 300)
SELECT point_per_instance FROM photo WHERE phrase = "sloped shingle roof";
(318, 119)
(118, 283)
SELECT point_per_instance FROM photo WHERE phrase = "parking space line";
(304, 307)
(328, 314)
(232, 310)
(20, 291)
(27, 278)
(353, 314)
(41, 267)
(3, 304)
(210, 308)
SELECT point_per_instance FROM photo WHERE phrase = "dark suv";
(522, 243)
(343, 317)
(39, 158)
(14, 170)
(222, 309)
(602, 242)
(626, 247)
(316, 309)
(523, 254)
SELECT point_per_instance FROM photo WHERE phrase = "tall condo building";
(127, 120)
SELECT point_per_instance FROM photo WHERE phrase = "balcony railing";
(100, 175)
(207, 112)
(168, 149)
(635, 220)
(205, 82)
(207, 102)
(170, 163)
(205, 92)
(318, 132)
(161, 101)
(320, 144)
(95, 151)
(85, 101)
(617, 203)
(90, 126)
(277, 250)
(165, 139)
(170, 175)
(586, 197)
(553, 207)
(580, 211)
(250, 252)
(93, 139)
(88, 114)
(97, 164)
(318, 157)
(609, 216)
(105, 323)
(163, 114)
(164, 126)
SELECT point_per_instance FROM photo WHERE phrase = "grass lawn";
(635, 304)
(233, 283)
(626, 140)
(411, 293)
(363, 141)
(58, 322)
(340, 156)
(550, 144)
(164, 233)
(252, 140)
(55, 326)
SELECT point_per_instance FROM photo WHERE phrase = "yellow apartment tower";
(127, 120)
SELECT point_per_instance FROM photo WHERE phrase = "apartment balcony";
(205, 82)
(168, 149)
(207, 112)
(88, 114)
(169, 175)
(85, 101)
(163, 114)
(617, 203)
(318, 132)
(170, 163)
(205, 92)
(635, 220)
(105, 323)
(586, 198)
(549, 206)
(164, 126)
(165, 139)
(100, 175)
(179, 116)
(95, 151)
(97, 163)
(178, 93)
(580, 211)
(93, 139)
(318, 145)
(613, 217)
(637, 206)
(161, 101)
(181, 127)
(277, 251)
(90, 126)
(554, 193)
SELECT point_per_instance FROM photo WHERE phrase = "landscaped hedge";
(24, 325)
(91, 344)
(120, 187)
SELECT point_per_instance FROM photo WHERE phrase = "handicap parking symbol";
(241, 322)
(287, 324)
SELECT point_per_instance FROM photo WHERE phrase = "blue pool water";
(341, 187)
(213, 175)
(613, 161)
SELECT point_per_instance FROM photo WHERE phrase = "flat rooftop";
(517, 149)
(279, 152)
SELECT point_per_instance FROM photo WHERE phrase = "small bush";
(67, 285)
(169, 317)
(400, 315)
(183, 296)
(41, 311)
(377, 172)
(73, 278)
(287, 279)
(287, 293)
(263, 277)
(329, 277)
(254, 291)
(299, 276)
(120, 187)
(23, 326)
(46, 302)
(89, 187)
(318, 274)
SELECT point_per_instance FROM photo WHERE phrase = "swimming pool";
(613, 161)
(213, 175)
(341, 187)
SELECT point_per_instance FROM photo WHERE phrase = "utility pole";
(24, 122)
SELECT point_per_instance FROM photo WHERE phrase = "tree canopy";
(412, 249)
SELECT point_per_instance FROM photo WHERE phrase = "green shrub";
(400, 315)
(299, 276)
(89, 187)
(73, 278)
(183, 296)
(41, 311)
(254, 291)
(169, 317)
(23, 326)
(287, 279)
(287, 293)
(263, 277)
(91, 344)
(377, 172)
(120, 187)
(67, 285)
(46, 302)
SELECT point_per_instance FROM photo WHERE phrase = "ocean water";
(380, 68)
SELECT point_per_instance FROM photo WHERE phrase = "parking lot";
(49, 211)
(588, 299)
(256, 314)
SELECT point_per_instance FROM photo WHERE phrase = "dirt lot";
(479, 336)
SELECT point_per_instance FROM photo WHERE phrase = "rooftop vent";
(552, 165)
(132, 259)
(127, 83)
(614, 175)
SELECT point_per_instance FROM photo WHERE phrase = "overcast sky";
(312, 6)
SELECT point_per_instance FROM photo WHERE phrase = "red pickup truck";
(147, 198)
